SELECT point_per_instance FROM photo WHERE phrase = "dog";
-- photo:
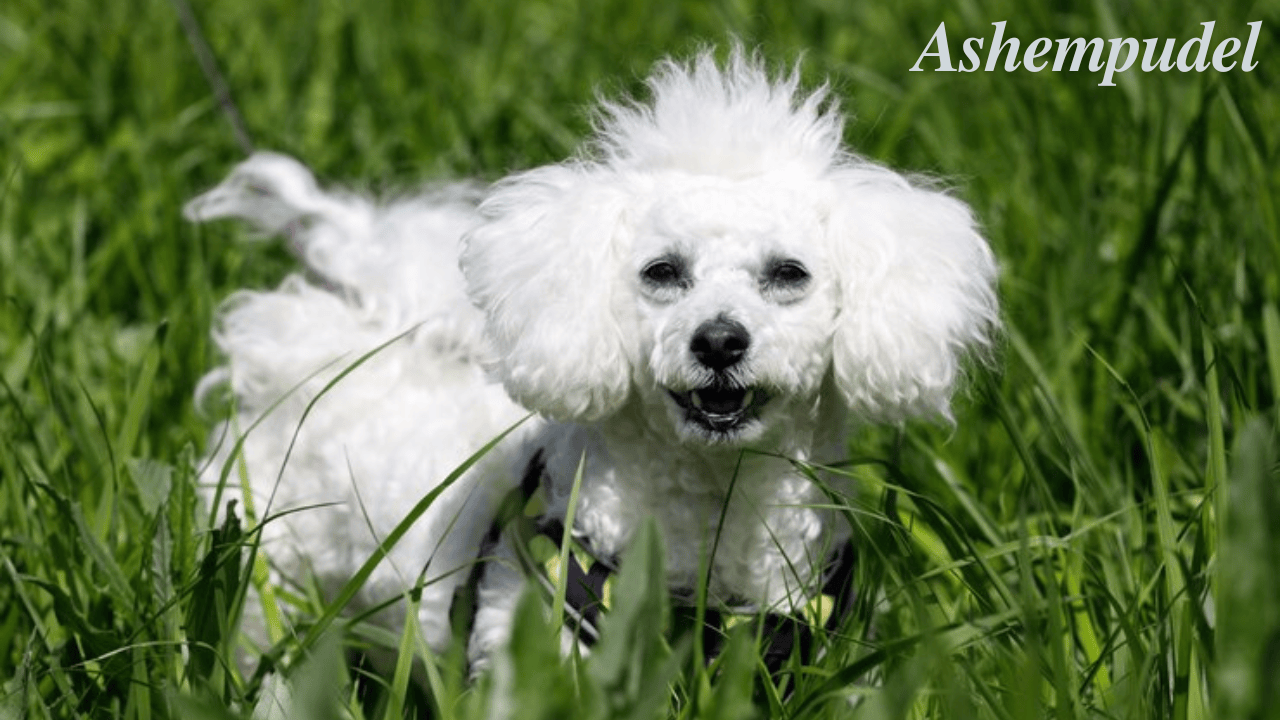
(697, 307)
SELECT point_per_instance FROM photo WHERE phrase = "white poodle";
(714, 273)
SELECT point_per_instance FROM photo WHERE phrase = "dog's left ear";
(917, 293)
(544, 267)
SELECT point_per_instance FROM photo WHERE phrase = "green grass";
(1096, 538)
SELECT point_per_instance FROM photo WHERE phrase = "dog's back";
(381, 281)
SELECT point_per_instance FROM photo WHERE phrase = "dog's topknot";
(732, 120)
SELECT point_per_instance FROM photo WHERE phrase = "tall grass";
(1095, 538)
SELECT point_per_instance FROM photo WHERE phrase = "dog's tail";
(395, 261)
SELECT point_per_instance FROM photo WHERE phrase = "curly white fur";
(386, 434)
(716, 272)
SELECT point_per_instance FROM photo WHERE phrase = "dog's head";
(721, 256)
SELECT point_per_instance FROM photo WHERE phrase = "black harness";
(585, 588)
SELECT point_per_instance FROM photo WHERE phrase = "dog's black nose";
(720, 343)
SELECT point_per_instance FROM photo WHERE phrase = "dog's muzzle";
(722, 406)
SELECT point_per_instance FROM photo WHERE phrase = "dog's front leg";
(497, 593)
(503, 578)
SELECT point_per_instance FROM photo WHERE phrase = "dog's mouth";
(719, 408)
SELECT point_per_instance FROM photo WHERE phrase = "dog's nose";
(720, 343)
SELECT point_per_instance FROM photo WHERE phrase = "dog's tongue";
(718, 401)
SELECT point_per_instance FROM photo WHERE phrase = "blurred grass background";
(1099, 536)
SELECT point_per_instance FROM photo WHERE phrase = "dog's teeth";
(746, 399)
(696, 399)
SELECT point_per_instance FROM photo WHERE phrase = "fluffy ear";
(917, 293)
(544, 265)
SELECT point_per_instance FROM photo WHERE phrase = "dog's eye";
(786, 275)
(664, 272)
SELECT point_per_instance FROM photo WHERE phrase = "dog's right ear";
(544, 266)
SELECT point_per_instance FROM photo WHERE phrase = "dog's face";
(718, 258)
(735, 306)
